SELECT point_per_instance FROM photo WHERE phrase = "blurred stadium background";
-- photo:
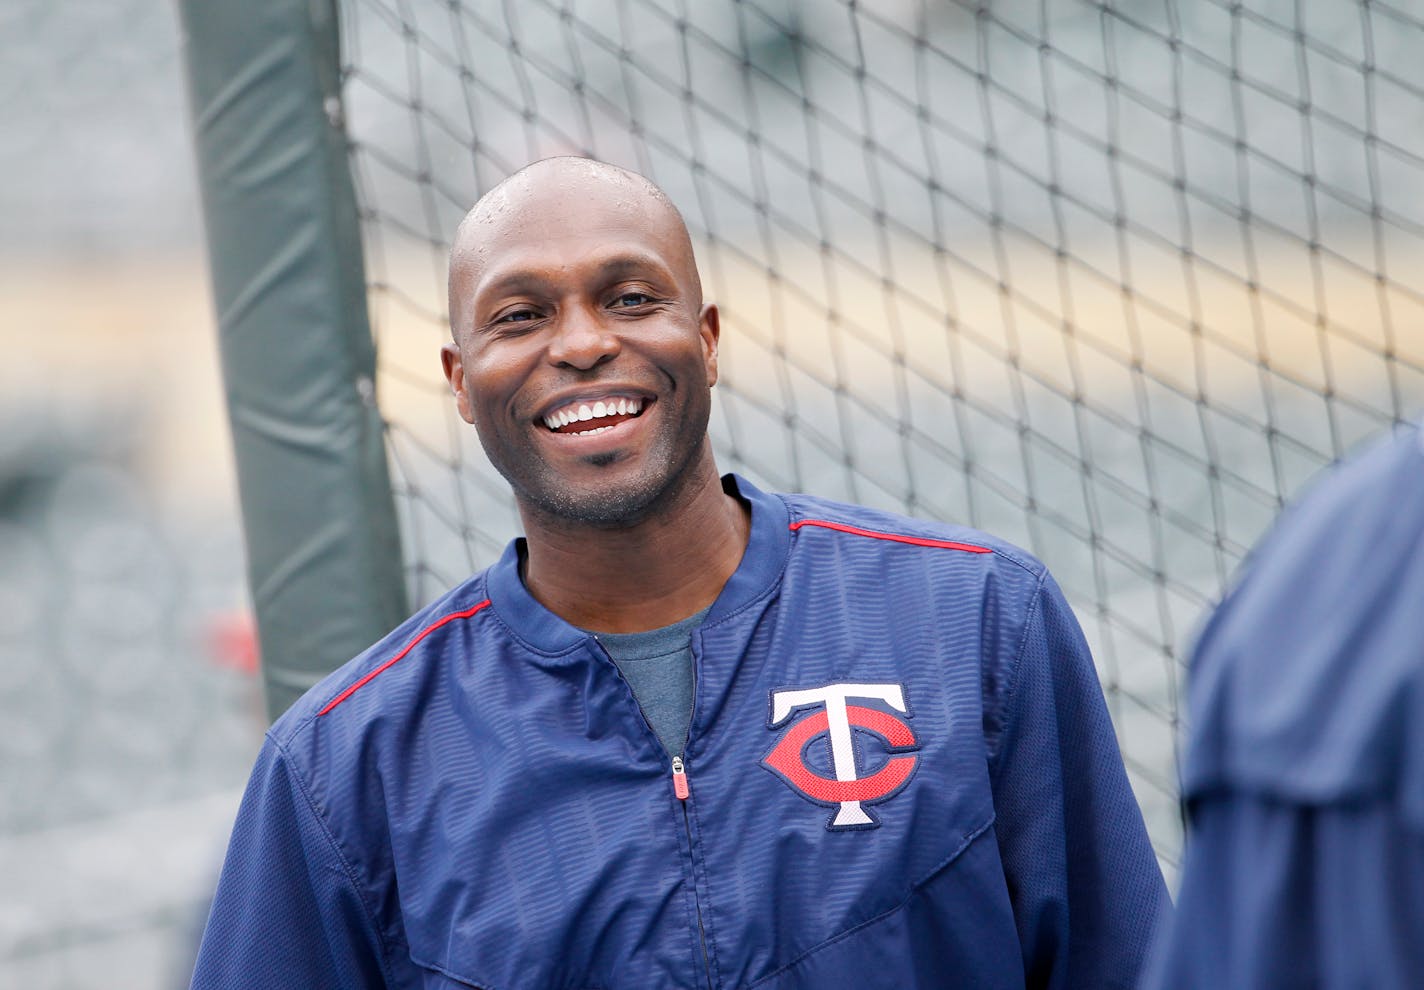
(128, 722)
(1113, 280)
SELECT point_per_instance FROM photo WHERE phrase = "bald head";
(536, 206)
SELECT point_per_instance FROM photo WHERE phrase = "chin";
(611, 502)
(611, 507)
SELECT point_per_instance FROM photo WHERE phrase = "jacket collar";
(760, 568)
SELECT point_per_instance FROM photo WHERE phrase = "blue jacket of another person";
(1305, 770)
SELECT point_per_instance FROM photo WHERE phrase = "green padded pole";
(284, 245)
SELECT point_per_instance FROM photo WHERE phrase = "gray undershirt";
(657, 665)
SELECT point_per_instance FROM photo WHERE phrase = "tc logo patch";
(836, 719)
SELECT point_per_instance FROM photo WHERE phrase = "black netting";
(1111, 280)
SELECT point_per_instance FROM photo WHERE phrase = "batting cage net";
(1108, 279)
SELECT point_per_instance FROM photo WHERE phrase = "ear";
(454, 364)
(710, 329)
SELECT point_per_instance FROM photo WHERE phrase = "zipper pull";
(679, 779)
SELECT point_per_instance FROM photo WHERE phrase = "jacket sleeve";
(288, 912)
(1083, 880)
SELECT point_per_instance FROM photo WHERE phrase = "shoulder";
(1302, 681)
(879, 531)
(947, 582)
(889, 563)
(1361, 506)
(393, 673)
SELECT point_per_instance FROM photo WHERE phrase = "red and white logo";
(836, 718)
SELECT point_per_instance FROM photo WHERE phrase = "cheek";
(684, 351)
(493, 379)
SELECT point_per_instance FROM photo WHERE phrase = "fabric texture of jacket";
(900, 773)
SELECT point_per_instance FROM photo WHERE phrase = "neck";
(652, 573)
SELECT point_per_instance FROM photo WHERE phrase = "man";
(1305, 771)
(685, 733)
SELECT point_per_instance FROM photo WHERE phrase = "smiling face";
(583, 354)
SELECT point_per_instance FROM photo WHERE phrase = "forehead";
(547, 228)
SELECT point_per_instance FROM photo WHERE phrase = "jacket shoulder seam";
(875, 534)
(827, 513)
(411, 644)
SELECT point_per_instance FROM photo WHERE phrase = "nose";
(582, 340)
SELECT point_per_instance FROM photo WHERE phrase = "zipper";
(682, 791)
(679, 781)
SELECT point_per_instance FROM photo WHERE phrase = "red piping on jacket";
(918, 541)
(408, 647)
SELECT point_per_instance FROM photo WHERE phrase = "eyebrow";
(633, 263)
(617, 266)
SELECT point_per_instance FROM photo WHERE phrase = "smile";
(581, 418)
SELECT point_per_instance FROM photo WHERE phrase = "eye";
(631, 300)
(516, 321)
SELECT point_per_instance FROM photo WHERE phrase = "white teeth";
(583, 412)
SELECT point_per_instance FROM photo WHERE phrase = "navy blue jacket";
(900, 773)
(1305, 769)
